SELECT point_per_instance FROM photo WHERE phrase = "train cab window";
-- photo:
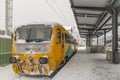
(58, 36)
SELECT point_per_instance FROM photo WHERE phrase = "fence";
(5, 50)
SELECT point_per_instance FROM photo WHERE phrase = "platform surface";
(89, 67)
(81, 66)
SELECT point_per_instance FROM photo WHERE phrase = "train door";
(59, 46)
(63, 43)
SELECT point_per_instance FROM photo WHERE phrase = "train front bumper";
(33, 66)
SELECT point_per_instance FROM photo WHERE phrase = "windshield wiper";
(38, 40)
(28, 40)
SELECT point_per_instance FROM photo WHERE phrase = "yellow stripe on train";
(39, 49)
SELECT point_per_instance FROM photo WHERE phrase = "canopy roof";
(93, 17)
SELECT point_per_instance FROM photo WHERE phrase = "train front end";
(31, 50)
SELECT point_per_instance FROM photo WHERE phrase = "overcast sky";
(32, 11)
(27, 11)
(2, 13)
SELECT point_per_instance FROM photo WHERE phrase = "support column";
(104, 37)
(87, 43)
(97, 39)
(115, 55)
(89, 39)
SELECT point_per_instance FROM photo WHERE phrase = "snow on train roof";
(40, 23)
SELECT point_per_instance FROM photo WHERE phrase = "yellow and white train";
(39, 49)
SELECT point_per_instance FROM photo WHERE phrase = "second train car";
(39, 49)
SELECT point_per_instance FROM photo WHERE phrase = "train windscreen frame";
(35, 33)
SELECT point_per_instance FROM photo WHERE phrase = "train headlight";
(12, 59)
(43, 60)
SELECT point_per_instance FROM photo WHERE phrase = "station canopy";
(93, 17)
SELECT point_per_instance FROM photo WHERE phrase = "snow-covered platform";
(89, 67)
(80, 67)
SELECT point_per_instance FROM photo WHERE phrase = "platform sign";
(99, 33)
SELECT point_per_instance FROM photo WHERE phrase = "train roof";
(42, 23)
(46, 23)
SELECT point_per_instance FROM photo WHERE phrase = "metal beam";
(89, 8)
(116, 3)
(84, 32)
(104, 22)
(113, 2)
(111, 24)
(88, 15)
(104, 14)
(100, 19)
(94, 29)
(84, 24)
(105, 29)
(86, 29)
(108, 30)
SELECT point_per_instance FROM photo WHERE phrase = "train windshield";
(37, 33)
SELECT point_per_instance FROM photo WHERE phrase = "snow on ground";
(81, 48)
(1, 68)
(7, 73)
(89, 67)
(80, 67)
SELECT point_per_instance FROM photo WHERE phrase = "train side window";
(65, 38)
(72, 41)
(68, 39)
(58, 36)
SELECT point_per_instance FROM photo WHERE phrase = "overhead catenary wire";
(55, 11)
(61, 11)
